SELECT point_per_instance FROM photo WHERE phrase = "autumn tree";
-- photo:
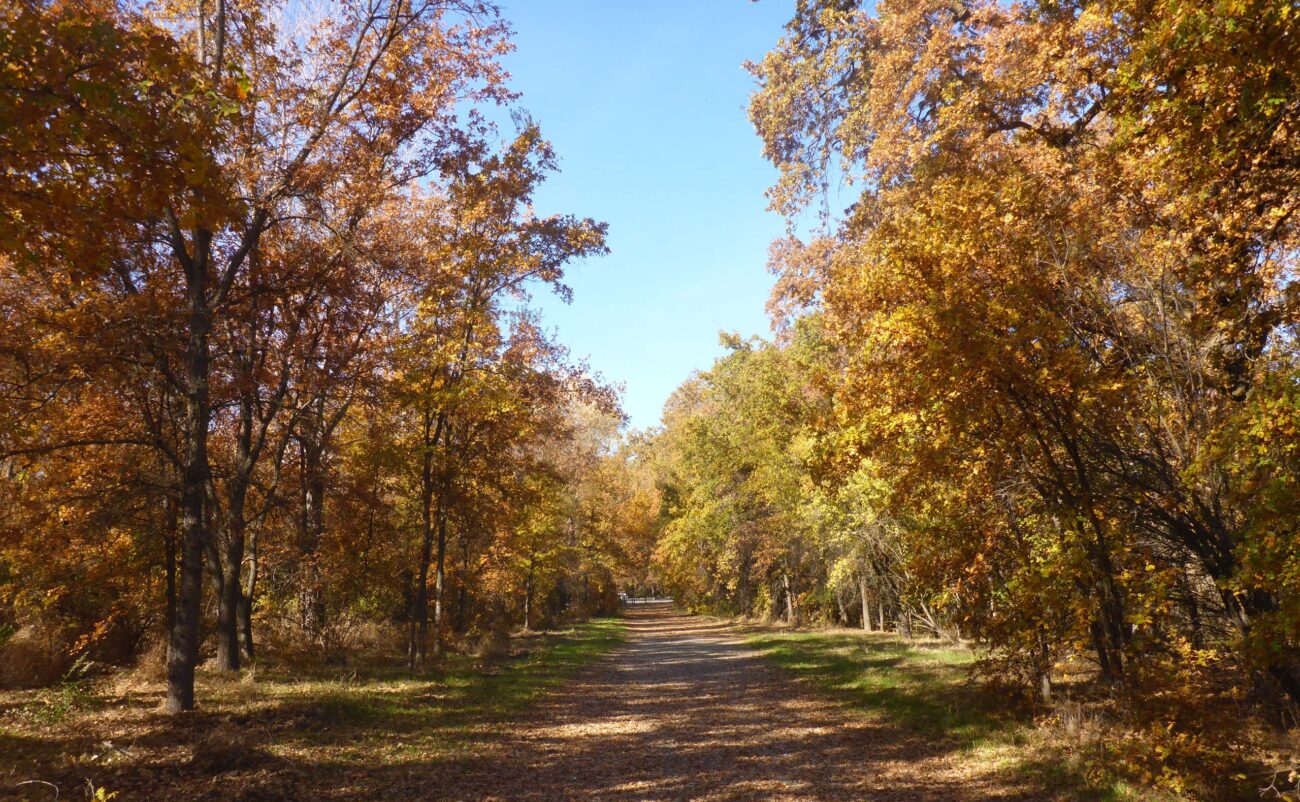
(483, 246)
(241, 239)
(1064, 280)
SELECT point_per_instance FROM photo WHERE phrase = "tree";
(483, 246)
(1067, 269)
(239, 237)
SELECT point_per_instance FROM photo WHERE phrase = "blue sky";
(645, 105)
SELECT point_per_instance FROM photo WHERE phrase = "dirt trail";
(683, 711)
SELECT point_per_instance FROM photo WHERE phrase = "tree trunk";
(230, 601)
(460, 623)
(1045, 677)
(1102, 648)
(408, 597)
(183, 651)
(169, 541)
(234, 618)
(789, 598)
(744, 590)
(247, 650)
(528, 594)
(866, 605)
(246, 600)
(420, 602)
(439, 580)
(432, 429)
(312, 526)
(233, 554)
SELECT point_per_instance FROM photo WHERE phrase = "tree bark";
(1045, 677)
(231, 600)
(312, 525)
(1102, 648)
(439, 581)
(866, 605)
(233, 553)
(170, 549)
(183, 650)
(460, 622)
(528, 594)
(431, 434)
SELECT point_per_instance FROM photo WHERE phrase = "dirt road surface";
(683, 711)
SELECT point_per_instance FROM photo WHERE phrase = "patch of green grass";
(62, 701)
(925, 687)
(920, 686)
(445, 706)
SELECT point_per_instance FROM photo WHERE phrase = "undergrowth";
(277, 732)
(928, 687)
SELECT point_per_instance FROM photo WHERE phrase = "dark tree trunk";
(312, 525)
(183, 650)
(417, 646)
(232, 559)
(234, 617)
(420, 599)
(228, 607)
(169, 542)
(1102, 648)
(409, 610)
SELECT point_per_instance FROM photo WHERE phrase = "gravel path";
(683, 711)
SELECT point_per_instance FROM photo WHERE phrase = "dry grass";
(375, 731)
(34, 656)
(1082, 747)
